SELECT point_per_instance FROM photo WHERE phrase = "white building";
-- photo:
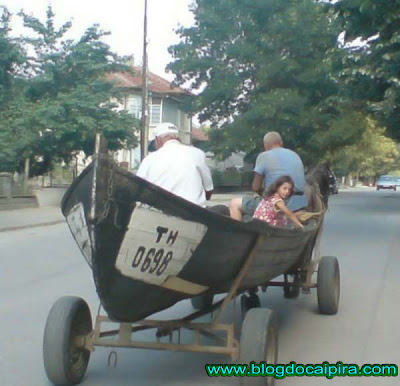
(164, 106)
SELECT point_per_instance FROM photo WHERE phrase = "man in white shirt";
(178, 168)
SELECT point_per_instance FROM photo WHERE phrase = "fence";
(15, 185)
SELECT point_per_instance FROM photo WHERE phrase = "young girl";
(272, 208)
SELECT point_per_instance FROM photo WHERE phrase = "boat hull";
(122, 223)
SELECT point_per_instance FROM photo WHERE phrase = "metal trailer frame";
(69, 337)
(229, 344)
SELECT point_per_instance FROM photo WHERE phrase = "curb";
(43, 224)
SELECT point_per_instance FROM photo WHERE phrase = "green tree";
(11, 58)
(372, 68)
(67, 97)
(266, 65)
(374, 154)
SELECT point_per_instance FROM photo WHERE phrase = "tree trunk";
(75, 174)
(26, 176)
(348, 180)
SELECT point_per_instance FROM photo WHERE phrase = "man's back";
(179, 169)
(278, 162)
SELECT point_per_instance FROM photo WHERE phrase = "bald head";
(272, 140)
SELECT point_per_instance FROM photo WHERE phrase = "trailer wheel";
(328, 285)
(259, 343)
(64, 361)
(202, 301)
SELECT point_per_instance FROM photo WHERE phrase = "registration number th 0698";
(157, 246)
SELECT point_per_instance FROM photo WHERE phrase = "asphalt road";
(362, 229)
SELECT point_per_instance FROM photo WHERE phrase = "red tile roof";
(156, 83)
(199, 134)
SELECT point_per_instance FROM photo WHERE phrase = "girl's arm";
(281, 205)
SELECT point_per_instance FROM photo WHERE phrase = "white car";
(386, 182)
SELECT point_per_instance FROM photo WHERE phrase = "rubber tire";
(259, 343)
(69, 317)
(248, 302)
(202, 301)
(328, 285)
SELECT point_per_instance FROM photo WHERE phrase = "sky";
(123, 18)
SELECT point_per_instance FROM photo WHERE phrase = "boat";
(149, 249)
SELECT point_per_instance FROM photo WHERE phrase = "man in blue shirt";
(274, 162)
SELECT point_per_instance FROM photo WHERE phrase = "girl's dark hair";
(273, 188)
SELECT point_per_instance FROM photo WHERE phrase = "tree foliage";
(266, 65)
(11, 58)
(372, 68)
(374, 154)
(66, 98)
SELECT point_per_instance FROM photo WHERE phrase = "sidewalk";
(44, 216)
(29, 218)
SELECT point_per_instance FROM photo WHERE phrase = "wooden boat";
(149, 249)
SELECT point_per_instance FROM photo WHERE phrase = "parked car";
(333, 185)
(386, 182)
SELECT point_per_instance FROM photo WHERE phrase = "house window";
(135, 106)
(155, 111)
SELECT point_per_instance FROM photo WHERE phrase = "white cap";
(164, 129)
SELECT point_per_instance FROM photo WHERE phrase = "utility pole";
(144, 133)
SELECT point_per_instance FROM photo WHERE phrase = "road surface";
(362, 229)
